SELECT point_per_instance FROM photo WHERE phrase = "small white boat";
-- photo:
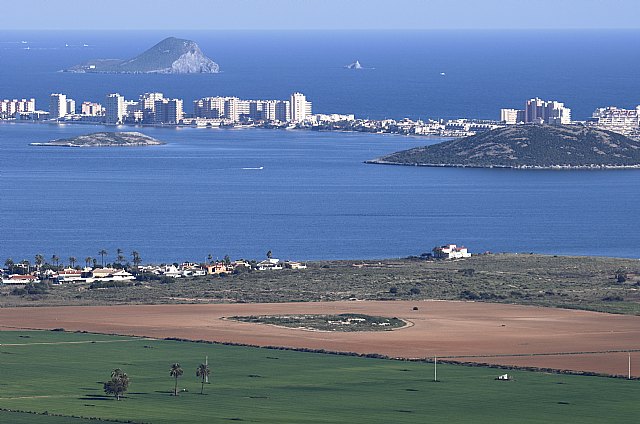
(254, 169)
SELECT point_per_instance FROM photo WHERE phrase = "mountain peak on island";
(527, 146)
(170, 56)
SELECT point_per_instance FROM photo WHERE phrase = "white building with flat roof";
(57, 106)
(114, 109)
(300, 107)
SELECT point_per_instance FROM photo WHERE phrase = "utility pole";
(629, 365)
(435, 368)
(206, 362)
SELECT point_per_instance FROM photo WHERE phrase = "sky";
(318, 14)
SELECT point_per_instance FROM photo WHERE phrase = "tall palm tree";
(55, 259)
(9, 264)
(136, 258)
(72, 261)
(26, 264)
(269, 254)
(87, 261)
(119, 256)
(39, 261)
(203, 372)
(176, 372)
(209, 257)
(102, 252)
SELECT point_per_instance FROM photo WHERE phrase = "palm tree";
(269, 255)
(209, 257)
(203, 372)
(136, 259)
(72, 261)
(102, 252)
(176, 372)
(87, 261)
(55, 259)
(26, 264)
(39, 261)
(9, 264)
(120, 257)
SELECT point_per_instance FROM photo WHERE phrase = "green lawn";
(271, 386)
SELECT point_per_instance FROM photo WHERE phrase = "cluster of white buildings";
(450, 251)
(296, 109)
(156, 109)
(537, 111)
(70, 275)
(16, 107)
(89, 275)
(623, 121)
(190, 269)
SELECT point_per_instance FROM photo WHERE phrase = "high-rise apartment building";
(114, 109)
(168, 111)
(546, 112)
(57, 106)
(300, 107)
(538, 111)
(71, 107)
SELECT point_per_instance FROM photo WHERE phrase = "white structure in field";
(300, 107)
(451, 251)
(114, 109)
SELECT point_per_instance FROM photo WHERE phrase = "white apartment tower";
(71, 107)
(114, 109)
(300, 107)
(57, 106)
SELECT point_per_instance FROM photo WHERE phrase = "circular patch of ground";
(338, 322)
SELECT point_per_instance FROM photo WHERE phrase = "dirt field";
(464, 331)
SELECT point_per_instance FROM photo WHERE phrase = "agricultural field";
(589, 283)
(62, 373)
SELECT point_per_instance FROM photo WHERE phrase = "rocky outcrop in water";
(170, 56)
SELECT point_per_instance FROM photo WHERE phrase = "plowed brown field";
(464, 331)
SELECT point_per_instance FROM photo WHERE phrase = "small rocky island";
(354, 65)
(104, 139)
(527, 147)
(170, 56)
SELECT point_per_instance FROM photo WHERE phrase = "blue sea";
(314, 197)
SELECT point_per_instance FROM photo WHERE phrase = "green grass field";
(62, 373)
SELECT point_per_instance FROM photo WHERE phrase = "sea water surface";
(314, 198)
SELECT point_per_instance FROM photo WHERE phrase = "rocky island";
(170, 56)
(104, 139)
(527, 147)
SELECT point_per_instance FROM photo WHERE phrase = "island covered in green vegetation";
(104, 139)
(527, 146)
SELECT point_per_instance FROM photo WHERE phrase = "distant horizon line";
(93, 30)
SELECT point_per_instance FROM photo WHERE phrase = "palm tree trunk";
(175, 389)
(202, 388)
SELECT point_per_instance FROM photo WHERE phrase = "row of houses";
(186, 269)
(190, 269)
(71, 275)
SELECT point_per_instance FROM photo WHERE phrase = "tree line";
(118, 385)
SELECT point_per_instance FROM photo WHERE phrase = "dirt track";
(461, 329)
